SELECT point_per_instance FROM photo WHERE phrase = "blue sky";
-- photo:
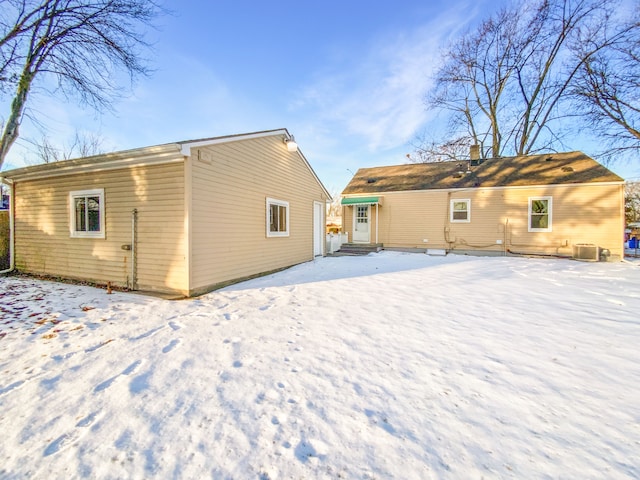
(347, 78)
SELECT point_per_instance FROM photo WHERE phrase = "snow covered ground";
(393, 365)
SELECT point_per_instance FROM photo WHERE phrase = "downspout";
(505, 247)
(12, 258)
(134, 248)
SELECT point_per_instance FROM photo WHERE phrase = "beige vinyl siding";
(588, 213)
(228, 222)
(44, 246)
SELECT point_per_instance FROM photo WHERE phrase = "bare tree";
(632, 201)
(428, 151)
(79, 46)
(83, 144)
(473, 80)
(508, 84)
(608, 93)
(46, 151)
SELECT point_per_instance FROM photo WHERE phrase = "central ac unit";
(586, 251)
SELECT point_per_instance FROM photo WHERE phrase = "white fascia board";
(306, 162)
(130, 158)
(467, 189)
(187, 146)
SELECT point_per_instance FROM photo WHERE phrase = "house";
(551, 204)
(181, 218)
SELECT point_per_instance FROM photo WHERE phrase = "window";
(461, 210)
(540, 214)
(87, 213)
(277, 218)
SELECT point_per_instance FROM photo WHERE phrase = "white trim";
(319, 236)
(468, 210)
(355, 222)
(549, 228)
(167, 153)
(313, 172)
(379, 193)
(188, 222)
(99, 163)
(377, 222)
(12, 239)
(281, 203)
(73, 233)
(185, 147)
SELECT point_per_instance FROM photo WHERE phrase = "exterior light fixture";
(291, 144)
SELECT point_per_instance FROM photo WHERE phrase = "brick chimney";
(474, 152)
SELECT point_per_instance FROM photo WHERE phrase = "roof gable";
(530, 170)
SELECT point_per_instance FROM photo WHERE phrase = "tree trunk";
(12, 127)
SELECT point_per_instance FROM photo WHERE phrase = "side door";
(362, 224)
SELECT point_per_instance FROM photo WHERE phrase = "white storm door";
(361, 224)
(318, 229)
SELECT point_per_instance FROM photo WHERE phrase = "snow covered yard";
(387, 366)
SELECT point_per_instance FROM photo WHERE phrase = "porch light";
(291, 144)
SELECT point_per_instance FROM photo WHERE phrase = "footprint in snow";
(132, 368)
(64, 440)
(60, 443)
(175, 326)
(127, 371)
(173, 344)
(88, 420)
(243, 362)
(147, 334)
(11, 387)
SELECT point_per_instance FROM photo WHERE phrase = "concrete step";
(360, 248)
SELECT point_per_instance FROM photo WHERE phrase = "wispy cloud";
(380, 97)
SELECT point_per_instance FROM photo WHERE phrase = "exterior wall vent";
(586, 251)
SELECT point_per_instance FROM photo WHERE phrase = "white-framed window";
(540, 214)
(460, 210)
(277, 218)
(86, 213)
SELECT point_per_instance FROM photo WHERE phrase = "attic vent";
(372, 180)
(567, 169)
(548, 159)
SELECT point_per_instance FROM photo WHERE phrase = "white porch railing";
(335, 241)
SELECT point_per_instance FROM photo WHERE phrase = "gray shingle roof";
(544, 169)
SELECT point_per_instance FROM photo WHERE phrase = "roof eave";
(186, 146)
(479, 187)
(167, 153)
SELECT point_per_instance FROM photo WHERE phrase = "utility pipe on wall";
(134, 247)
